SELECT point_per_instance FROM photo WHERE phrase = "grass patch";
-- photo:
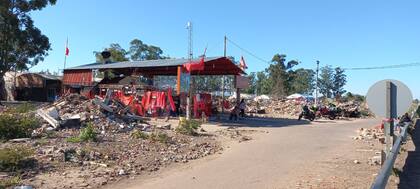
(137, 134)
(86, 134)
(159, 137)
(12, 159)
(22, 108)
(13, 181)
(188, 127)
(17, 126)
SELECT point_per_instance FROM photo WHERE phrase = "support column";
(178, 81)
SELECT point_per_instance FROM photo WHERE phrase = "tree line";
(138, 51)
(281, 79)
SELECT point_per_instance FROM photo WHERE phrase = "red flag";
(67, 51)
(242, 63)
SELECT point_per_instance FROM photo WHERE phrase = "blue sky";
(355, 33)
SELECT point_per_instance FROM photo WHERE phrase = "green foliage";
(141, 51)
(137, 51)
(332, 82)
(118, 54)
(22, 108)
(75, 139)
(9, 182)
(137, 134)
(86, 134)
(353, 97)
(16, 126)
(188, 127)
(21, 43)
(326, 81)
(301, 81)
(12, 159)
(339, 81)
(159, 137)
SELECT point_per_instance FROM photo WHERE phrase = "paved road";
(268, 161)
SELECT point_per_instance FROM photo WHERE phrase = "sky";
(356, 33)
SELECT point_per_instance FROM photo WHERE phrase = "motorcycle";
(330, 113)
(309, 115)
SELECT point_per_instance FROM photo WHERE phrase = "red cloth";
(242, 63)
(202, 105)
(195, 66)
(171, 100)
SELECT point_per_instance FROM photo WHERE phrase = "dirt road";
(275, 158)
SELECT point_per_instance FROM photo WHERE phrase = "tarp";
(296, 96)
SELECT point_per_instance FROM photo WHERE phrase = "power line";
(385, 67)
(356, 68)
(248, 52)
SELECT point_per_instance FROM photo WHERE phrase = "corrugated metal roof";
(139, 64)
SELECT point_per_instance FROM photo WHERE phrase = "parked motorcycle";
(307, 114)
(326, 112)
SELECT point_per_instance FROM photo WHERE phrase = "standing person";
(242, 107)
(234, 113)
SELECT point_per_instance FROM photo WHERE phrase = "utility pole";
(190, 57)
(316, 83)
(223, 77)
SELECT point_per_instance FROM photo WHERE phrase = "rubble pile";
(76, 110)
(266, 105)
(354, 109)
(369, 134)
(124, 146)
(274, 106)
(115, 156)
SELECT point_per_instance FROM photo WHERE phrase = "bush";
(86, 134)
(137, 134)
(160, 137)
(16, 126)
(12, 159)
(188, 127)
(5, 183)
(23, 108)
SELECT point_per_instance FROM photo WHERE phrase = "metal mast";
(190, 57)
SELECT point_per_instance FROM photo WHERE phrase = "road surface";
(271, 160)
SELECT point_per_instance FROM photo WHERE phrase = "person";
(405, 118)
(234, 113)
(242, 107)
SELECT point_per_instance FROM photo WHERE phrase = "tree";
(302, 81)
(22, 45)
(252, 83)
(141, 51)
(279, 76)
(137, 51)
(326, 81)
(339, 81)
(262, 83)
(118, 54)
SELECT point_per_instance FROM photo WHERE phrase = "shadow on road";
(410, 176)
(258, 122)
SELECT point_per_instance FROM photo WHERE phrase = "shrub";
(12, 159)
(23, 108)
(188, 127)
(137, 134)
(16, 126)
(13, 181)
(86, 134)
(160, 137)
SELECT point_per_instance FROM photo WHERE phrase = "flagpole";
(65, 54)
